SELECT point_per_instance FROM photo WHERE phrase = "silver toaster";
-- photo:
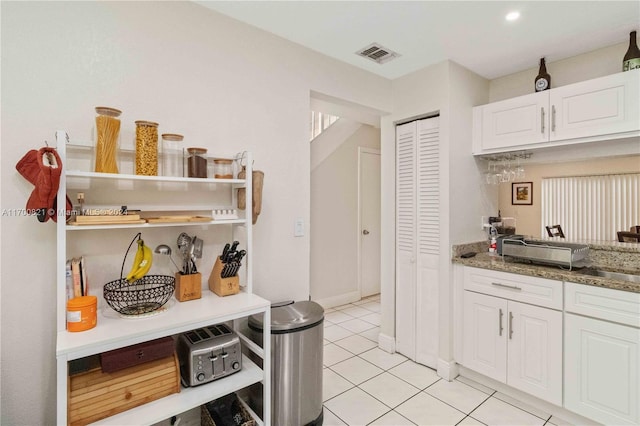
(208, 354)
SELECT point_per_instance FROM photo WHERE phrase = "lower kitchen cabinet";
(515, 343)
(602, 358)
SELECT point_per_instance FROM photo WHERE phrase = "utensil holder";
(223, 286)
(188, 287)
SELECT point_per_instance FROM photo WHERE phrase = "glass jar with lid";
(197, 162)
(146, 148)
(223, 168)
(107, 138)
(172, 161)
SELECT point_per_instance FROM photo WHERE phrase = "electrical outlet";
(298, 227)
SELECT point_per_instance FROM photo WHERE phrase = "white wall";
(598, 63)
(334, 221)
(466, 198)
(224, 85)
(331, 138)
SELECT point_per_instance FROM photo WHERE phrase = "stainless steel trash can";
(296, 362)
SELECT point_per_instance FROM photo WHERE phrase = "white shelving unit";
(113, 331)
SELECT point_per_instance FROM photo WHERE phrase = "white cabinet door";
(512, 123)
(485, 335)
(600, 106)
(535, 351)
(602, 370)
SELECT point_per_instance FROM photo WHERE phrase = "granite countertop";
(486, 261)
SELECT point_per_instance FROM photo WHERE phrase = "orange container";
(82, 313)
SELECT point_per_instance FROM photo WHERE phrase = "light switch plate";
(298, 227)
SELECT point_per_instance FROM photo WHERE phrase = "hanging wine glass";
(489, 175)
(506, 175)
(519, 170)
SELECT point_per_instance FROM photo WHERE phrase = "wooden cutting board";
(109, 222)
(175, 219)
(94, 219)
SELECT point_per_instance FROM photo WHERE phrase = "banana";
(142, 262)
(136, 261)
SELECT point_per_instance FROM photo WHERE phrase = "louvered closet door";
(406, 137)
(417, 239)
(428, 242)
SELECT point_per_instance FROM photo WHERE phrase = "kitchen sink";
(613, 275)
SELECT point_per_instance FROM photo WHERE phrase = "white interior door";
(369, 213)
(406, 239)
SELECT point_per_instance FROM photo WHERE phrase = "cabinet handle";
(542, 120)
(500, 323)
(513, 287)
(553, 118)
(510, 325)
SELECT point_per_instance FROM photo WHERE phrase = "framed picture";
(522, 193)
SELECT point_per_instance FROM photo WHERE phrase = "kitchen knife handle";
(500, 328)
(224, 252)
(510, 325)
(513, 287)
(234, 246)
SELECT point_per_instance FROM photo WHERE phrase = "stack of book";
(77, 283)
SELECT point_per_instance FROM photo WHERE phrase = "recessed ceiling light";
(512, 16)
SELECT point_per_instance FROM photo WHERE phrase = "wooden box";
(95, 395)
(188, 287)
(129, 356)
(223, 286)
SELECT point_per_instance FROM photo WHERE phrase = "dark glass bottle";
(543, 79)
(632, 57)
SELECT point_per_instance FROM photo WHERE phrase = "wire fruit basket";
(145, 295)
(139, 297)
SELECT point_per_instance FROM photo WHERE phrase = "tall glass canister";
(107, 137)
(197, 162)
(172, 156)
(146, 148)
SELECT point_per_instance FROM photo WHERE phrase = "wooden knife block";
(188, 287)
(223, 286)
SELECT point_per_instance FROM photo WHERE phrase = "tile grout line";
(394, 411)
(469, 416)
(337, 416)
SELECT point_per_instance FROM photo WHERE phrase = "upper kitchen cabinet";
(599, 109)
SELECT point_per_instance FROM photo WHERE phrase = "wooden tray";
(173, 219)
(109, 222)
(92, 219)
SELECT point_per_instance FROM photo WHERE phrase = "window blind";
(591, 207)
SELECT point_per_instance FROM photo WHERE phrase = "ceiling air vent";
(377, 53)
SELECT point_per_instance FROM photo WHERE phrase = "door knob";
(365, 232)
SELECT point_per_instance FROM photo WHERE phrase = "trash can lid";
(289, 318)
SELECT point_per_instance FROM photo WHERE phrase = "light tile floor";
(364, 385)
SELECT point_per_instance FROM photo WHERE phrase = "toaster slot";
(219, 330)
(192, 336)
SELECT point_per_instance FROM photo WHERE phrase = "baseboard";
(341, 299)
(387, 343)
(448, 370)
